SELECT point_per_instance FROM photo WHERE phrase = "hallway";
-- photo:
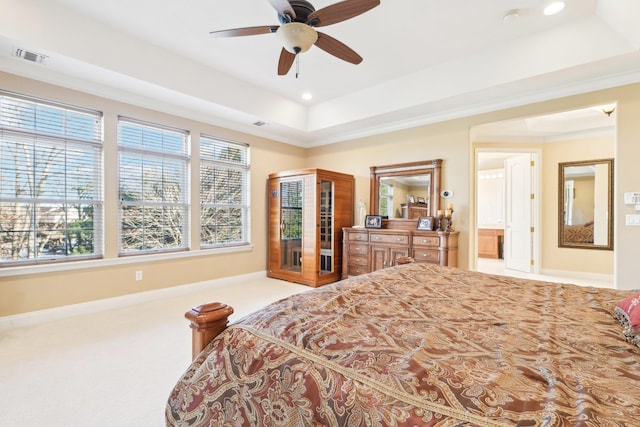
(496, 266)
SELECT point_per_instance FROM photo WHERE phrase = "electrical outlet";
(138, 275)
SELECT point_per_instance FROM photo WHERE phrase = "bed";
(417, 345)
(581, 233)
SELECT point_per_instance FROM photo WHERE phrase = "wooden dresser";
(366, 250)
(414, 210)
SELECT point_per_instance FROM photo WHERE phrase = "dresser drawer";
(426, 255)
(356, 249)
(358, 237)
(426, 241)
(398, 239)
(356, 270)
(359, 259)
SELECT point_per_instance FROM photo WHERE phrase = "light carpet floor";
(114, 368)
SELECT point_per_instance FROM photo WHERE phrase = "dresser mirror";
(585, 204)
(405, 191)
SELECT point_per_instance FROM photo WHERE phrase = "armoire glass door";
(291, 225)
(326, 227)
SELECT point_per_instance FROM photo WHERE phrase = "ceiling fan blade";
(339, 12)
(285, 62)
(248, 31)
(283, 7)
(337, 49)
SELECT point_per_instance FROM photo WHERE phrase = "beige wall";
(554, 260)
(570, 259)
(29, 292)
(450, 141)
(447, 140)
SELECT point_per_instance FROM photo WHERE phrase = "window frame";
(388, 196)
(78, 133)
(162, 157)
(243, 167)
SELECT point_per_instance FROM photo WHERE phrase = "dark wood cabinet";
(307, 210)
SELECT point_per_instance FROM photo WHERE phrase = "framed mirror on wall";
(406, 191)
(585, 204)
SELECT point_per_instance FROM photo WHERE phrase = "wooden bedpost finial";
(207, 321)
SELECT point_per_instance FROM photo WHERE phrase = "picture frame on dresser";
(373, 221)
(426, 223)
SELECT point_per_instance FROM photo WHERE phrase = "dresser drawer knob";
(426, 255)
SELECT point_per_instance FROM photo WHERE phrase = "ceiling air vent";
(259, 123)
(30, 56)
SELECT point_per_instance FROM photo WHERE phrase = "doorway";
(551, 139)
(507, 220)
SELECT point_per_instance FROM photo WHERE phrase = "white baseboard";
(593, 277)
(57, 313)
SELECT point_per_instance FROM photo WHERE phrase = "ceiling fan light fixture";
(297, 37)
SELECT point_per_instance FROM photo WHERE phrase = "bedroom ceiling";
(424, 60)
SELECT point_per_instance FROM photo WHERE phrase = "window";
(386, 200)
(153, 167)
(224, 193)
(291, 209)
(50, 181)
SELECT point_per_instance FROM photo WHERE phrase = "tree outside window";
(50, 181)
(153, 180)
(224, 192)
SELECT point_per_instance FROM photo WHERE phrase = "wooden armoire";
(307, 210)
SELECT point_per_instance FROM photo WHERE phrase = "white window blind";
(224, 192)
(50, 181)
(153, 181)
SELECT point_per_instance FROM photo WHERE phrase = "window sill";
(110, 262)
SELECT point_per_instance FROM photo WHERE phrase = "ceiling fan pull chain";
(297, 65)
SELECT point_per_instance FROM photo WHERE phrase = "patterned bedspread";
(419, 345)
(578, 233)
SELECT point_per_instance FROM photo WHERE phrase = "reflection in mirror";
(404, 196)
(585, 214)
(406, 190)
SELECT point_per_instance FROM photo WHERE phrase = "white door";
(518, 221)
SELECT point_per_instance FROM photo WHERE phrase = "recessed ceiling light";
(307, 96)
(554, 7)
(511, 15)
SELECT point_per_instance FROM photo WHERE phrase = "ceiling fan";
(297, 33)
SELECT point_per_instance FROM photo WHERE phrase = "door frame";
(536, 185)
